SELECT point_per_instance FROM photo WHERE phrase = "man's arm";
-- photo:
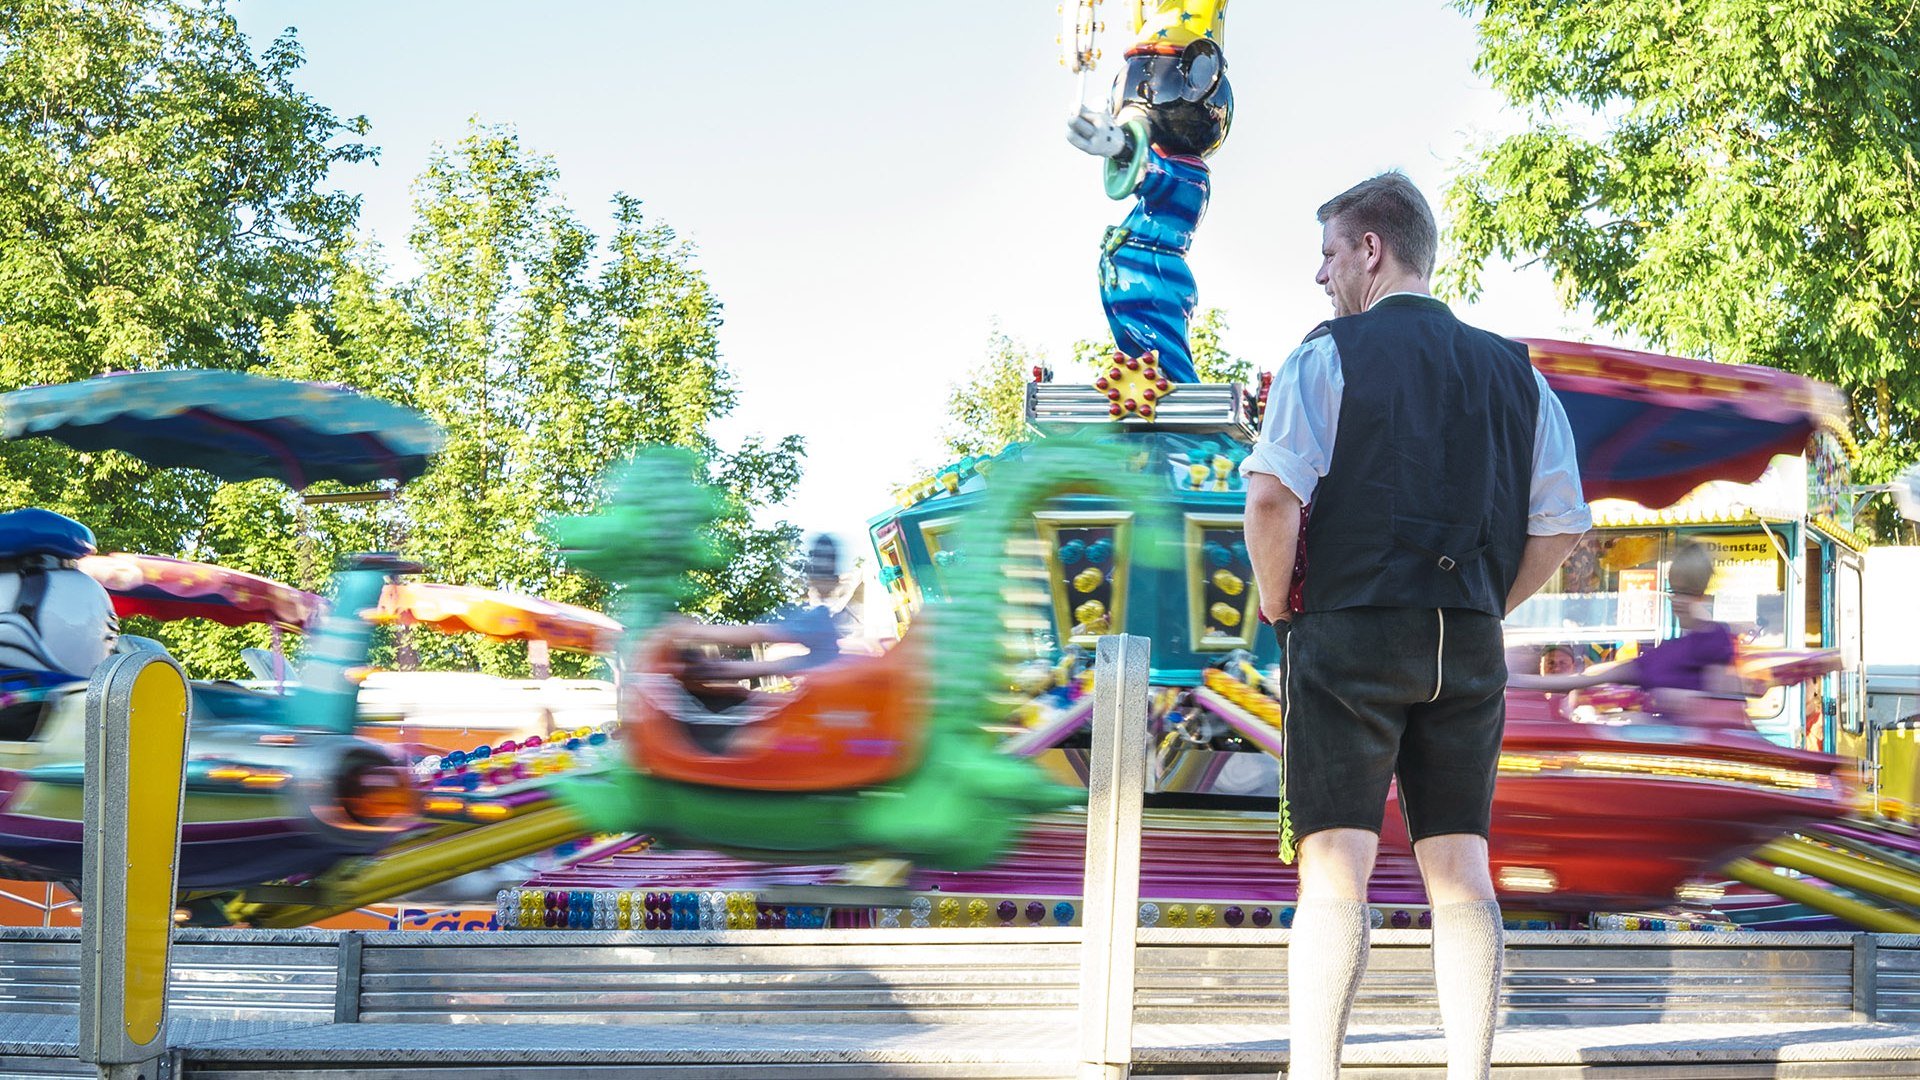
(1599, 675)
(1541, 557)
(1273, 538)
(1557, 511)
(1293, 452)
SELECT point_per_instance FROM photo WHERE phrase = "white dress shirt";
(1303, 417)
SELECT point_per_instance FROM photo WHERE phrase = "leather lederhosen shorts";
(1374, 694)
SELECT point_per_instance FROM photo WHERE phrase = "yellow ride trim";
(156, 750)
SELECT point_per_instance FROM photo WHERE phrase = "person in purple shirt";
(1699, 661)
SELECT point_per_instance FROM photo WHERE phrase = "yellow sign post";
(137, 714)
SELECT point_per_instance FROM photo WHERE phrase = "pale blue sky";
(872, 185)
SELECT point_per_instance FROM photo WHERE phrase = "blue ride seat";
(18, 682)
(53, 617)
(36, 532)
(23, 696)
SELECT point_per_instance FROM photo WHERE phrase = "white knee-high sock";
(1468, 946)
(1326, 956)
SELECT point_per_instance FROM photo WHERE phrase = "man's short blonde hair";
(1390, 207)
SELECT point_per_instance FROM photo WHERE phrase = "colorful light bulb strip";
(950, 911)
(631, 909)
(1620, 921)
(714, 910)
(938, 910)
(1260, 917)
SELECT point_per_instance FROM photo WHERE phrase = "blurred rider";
(1558, 660)
(812, 626)
(1697, 663)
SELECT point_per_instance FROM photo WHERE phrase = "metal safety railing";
(138, 709)
(1116, 780)
(1098, 981)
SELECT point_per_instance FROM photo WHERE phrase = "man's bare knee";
(1336, 863)
(1455, 868)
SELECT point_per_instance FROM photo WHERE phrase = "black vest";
(1424, 504)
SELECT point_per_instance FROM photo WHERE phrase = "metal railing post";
(1866, 978)
(346, 982)
(1109, 909)
(138, 708)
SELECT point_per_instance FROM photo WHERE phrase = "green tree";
(163, 203)
(544, 359)
(1210, 356)
(765, 570)
(986, 410)
(1728, 178)
(162, 198)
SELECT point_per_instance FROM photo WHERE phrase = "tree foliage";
(164, 203)
(162, 197)
(1211, 360)
(1728, 178)
(545, 355)
(987, 409)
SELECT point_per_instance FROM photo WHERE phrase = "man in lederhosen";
(1440, 490)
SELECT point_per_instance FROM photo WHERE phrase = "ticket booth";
(1788, 574)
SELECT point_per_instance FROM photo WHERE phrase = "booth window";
(1848, 623)
(896, 575)
(1816, 598)
(1608, 589)
(1751, 595)
(1749, 586)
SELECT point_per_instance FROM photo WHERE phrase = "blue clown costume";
(1145, 283)
(1169, 111)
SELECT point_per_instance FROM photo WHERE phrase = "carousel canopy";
(163, 588)
(1651, 428)
(233, 425)
(455, 609)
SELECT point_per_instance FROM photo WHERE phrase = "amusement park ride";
(957, 756)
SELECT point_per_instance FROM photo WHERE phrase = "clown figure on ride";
(1168, 112)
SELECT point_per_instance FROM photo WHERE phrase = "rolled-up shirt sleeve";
(1555, 503)
(1302, 419)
